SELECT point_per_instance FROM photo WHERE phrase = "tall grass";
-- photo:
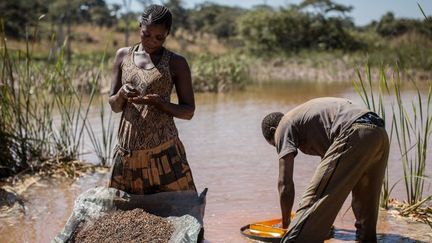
(375, 103)
(32, 93)
(72, 110)
(104, 141)
(410, 122)
(413, 130)
(25, 123)
(103, 144)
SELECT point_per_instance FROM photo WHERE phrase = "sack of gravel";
(125, 226)
(184, 208)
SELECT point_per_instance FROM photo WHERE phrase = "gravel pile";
(126, 226)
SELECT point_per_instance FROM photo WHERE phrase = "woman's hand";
(127, 92)
(183, 85)
(150, 99)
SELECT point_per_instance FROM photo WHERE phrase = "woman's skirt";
(160, 169)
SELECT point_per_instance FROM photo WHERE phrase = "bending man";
(353, 146)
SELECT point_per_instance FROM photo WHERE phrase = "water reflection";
(228, 155)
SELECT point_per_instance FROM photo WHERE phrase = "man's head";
(269, 125)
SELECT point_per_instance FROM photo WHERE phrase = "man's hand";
(285, 224)
(281, 225)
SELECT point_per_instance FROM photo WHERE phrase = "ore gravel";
(126, 226)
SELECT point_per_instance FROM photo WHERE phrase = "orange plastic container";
(266, 231)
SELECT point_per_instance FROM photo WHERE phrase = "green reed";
(32, 93)
(365, 89)
(73, 110)
(103, 144)
(413, 130)
(410, 122)
(104, 141)
(73, 118)
(25, 123)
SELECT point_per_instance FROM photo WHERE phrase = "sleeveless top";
(145, 126)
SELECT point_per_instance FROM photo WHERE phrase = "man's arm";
(286, 187)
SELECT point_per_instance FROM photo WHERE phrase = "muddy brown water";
(228, 155)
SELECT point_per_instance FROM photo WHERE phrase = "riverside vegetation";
(44, 115)
(410, 124)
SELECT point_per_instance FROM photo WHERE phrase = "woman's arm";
(119, 95)
(181, 76)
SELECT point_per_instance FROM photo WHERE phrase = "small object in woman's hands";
(128, 91)
(137, 86)
(129, 87)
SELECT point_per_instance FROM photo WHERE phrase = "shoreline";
(337, 71)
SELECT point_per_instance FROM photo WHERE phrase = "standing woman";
(149, 157)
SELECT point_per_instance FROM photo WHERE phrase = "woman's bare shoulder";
(121, 52)
(177, 60)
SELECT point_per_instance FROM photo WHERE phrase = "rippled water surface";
(228, 155)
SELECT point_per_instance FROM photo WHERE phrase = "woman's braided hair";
(157, 14)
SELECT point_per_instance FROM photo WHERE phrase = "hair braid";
(157, 14)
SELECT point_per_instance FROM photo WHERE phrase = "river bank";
(224, 73)
(328, 69)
